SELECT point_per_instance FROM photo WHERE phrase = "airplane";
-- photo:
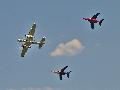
(94, 20)
(30, 39)
(61, 72)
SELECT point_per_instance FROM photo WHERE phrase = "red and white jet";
(94, 20)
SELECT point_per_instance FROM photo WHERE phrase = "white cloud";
(72, 47)
(11, 89)
(31, 88)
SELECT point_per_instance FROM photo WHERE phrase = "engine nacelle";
(29, 46)
(29, 36)
(23, 46)
(26, 46)
(21, 40)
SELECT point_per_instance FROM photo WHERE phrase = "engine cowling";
(21, 40)
(26, 46)
(29, 36)
(23, 46)
(24, 40)
(29, 46)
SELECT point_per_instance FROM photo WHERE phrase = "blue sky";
(96, 67)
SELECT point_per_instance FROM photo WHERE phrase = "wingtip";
(44, 36)
(98, 13)
(34, 23)
(22, 55)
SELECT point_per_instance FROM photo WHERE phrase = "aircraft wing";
(92, 25)
(24, 50)
(62, 70)
(95, 16)
(28, 39)
(60, 76)
(32, 30)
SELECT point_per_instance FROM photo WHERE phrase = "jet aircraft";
(94, 20)
(30, 39)
(61, 72)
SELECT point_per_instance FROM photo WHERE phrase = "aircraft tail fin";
(101, 22)
(42, 42)
(68, 73)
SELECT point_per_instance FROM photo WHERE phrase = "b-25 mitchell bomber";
(61, 72)
(30, 39)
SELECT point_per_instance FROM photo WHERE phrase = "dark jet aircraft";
(94, 20)
(61, 72)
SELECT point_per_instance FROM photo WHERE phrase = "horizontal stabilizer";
(100, 22)
(68, 74)
(42, 42)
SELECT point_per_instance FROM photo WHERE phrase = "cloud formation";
(31, 88)
(71, 48)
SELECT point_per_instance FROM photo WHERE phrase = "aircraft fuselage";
(62, 73)
(91, 20)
